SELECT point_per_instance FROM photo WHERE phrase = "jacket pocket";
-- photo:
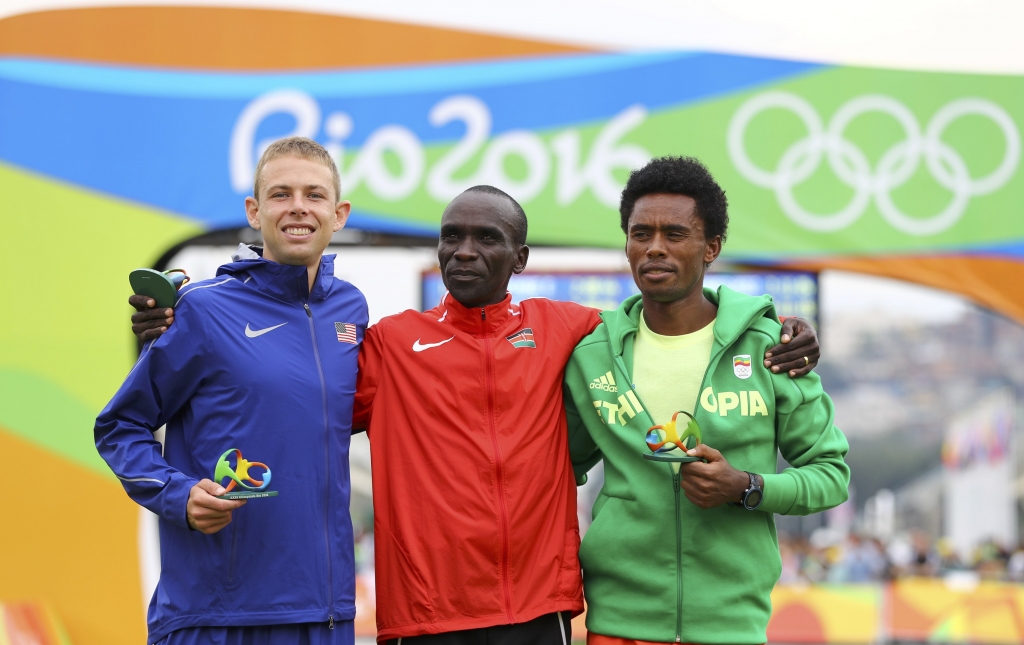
(405, 606)
(570, 581)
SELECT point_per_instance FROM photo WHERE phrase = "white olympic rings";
(895, 167)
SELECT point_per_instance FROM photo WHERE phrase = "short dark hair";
(679, 176)
(518, 221)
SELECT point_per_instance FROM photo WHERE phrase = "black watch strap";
(755, 492)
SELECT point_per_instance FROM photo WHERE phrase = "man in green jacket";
(687, 552)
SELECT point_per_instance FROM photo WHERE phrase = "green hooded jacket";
(655, 566)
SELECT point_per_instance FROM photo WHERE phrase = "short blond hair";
(302, 148)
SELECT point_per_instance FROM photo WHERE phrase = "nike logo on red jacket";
(474, 496)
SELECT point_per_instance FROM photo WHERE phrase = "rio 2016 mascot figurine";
(239, 475)
(663, 439)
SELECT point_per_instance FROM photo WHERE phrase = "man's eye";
(315, 196)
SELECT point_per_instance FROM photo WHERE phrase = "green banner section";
(838, 161)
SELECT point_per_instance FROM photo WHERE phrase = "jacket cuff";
(174, 501)
(779, 493)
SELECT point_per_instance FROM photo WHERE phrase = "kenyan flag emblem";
(522, 338)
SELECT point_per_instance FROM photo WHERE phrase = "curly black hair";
(679, 176)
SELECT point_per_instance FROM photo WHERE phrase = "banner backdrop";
(126, 130)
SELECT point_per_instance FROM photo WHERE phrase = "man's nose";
(657, 247)
(298, 204)
(466, 250)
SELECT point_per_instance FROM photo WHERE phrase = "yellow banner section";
(956, 610)
(911, 610)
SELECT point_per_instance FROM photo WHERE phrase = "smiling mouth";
(298, 230)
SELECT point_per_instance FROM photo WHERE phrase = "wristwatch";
(755, 492)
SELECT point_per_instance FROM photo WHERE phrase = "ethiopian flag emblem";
(741, 366)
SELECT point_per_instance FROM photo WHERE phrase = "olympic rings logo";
(895, 167)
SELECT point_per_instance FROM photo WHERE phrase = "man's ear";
(341, 212)
(252, 212)
(712, 249)
(522, 255)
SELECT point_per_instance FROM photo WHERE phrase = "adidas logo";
(606, 383)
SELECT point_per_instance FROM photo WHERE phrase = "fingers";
(794, 362)
(799, 355)
(700, 492)
(208, 494)
(704, 451)
(141, 303)
(205, 511)
(148, 324)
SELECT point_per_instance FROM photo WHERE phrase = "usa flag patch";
(346, 332)
(522, 338)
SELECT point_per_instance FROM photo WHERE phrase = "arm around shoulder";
(808, 439)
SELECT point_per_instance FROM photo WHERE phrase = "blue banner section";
(187, 142)
(794, 293)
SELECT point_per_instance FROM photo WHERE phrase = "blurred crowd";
(864, 559)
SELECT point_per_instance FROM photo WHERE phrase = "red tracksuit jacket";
(473, 493)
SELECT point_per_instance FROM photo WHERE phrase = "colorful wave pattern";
(163, 137)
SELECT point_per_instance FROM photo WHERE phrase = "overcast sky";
(850, 294)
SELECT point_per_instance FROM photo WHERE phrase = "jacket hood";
(286, 282)
(737, 312)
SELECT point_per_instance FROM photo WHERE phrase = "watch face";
(753, 499)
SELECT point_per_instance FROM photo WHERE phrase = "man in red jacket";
(474, 496)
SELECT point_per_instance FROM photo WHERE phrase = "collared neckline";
(284, 282)
(478, 321)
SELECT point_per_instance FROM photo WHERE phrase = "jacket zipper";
(327, 465)
(621, 364)
(498, 467)
(679, 559)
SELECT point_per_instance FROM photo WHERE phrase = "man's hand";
(205, 512)
(149, 323)
(797, 354)
(714, 483)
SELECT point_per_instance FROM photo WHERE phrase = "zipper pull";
(675, 481)
(330, 622)
(483, 314)
(309, 312)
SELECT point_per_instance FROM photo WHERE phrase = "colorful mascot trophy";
(663, 439)
(239, 476)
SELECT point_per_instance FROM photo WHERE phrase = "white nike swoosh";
(254, 333)
(416, 347)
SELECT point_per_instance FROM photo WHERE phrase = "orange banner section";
(30, 623)
(993, 282)
(916, 610)
(245, 39)
(70, 538)
(826, 614)
(934, 611)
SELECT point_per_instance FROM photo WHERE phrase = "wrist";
(740, 483)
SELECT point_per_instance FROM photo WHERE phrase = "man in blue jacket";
(261, 359)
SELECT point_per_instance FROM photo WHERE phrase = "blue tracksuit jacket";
(253, 361)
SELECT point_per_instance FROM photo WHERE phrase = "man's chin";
(467, 297)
